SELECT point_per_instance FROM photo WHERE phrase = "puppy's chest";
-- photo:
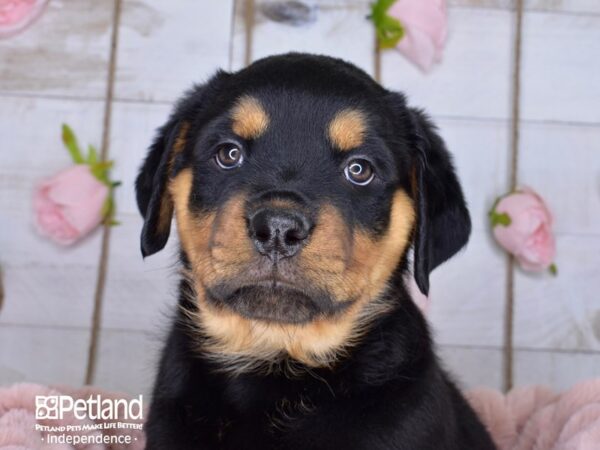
(301, 423)
(264, 418)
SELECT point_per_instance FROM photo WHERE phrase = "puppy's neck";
(394, 342)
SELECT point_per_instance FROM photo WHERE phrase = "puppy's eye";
(359, 171)
(229, 156)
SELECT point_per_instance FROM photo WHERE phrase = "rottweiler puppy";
(299, 185)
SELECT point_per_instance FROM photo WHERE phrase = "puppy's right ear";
(153, 199)
(165, 159)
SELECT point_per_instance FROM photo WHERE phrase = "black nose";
(278, 233)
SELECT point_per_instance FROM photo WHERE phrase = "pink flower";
(425, 30)
(70, 205)
(17, 14)
(522, 224)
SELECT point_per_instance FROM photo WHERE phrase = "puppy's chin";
(274, 302)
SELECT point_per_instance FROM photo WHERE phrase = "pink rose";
(425, 27)
(17, 14)
(522, 224)
(70, 205)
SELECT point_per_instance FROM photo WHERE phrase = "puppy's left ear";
(443, 222)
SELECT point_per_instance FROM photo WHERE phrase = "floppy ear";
(164, 159)
(443, 222)
(153, 199)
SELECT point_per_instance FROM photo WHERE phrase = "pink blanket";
(535, 418)
(530, 418)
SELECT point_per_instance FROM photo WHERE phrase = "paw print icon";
(46, 407)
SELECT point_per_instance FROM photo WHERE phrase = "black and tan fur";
(295, 329)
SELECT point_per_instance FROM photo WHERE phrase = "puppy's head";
(298, 185)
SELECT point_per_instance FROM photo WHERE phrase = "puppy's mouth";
(274, 300)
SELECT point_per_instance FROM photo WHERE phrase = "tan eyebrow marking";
(347, 129)
(250, 120)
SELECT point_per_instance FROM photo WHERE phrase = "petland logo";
(55, 407)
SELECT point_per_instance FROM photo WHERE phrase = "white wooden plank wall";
(57, 72)
(557, 321)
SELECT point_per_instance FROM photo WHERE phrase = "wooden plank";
(467, 296)
(481, 154)
(562, 162)
(341, 30)
(473, 366)
(560, 71)
(133, 130)
(137, 291)
(466, 312)
(561, 312)
(45, 284)
(127, 361)
(506, 4)
(44, 355)
(165, 47)
(557, 6)
(239, 33)
(565, 6)
(65, 53)
(140, 294)
(559, 370)
(474, 78)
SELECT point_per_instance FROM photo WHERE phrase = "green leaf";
(493, 208)
(500, 219)
(107, 208)
(553, 269)
(380, 9)
(389, 30)
(70, 141)
(92, 155)
(100, 171)
(104, 165)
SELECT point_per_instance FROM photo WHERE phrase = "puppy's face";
(296, 199)
(286, 208)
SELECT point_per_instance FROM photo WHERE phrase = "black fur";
(389, 392)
